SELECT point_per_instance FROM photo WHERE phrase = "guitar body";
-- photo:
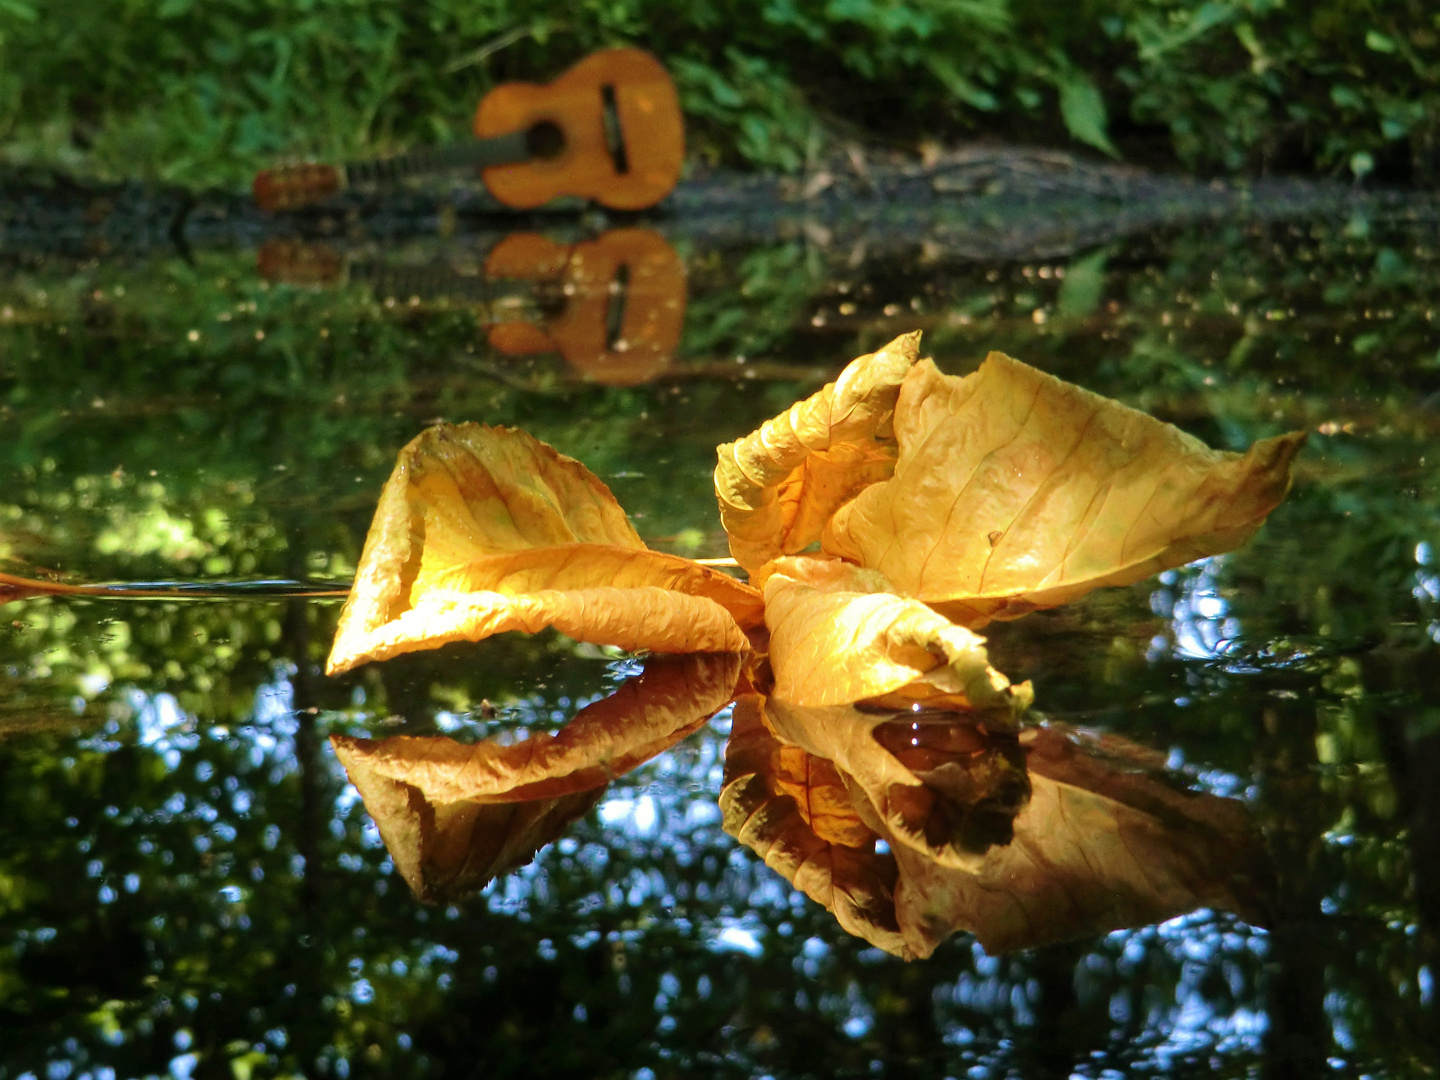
(627, 160)
(624, 302)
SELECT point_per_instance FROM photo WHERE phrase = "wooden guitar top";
(623, 136)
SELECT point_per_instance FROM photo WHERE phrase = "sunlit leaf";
(1107, 841)
(1014, 490)
(789, 807)
(839, 633)
(779, 485)
(484, 529)
(454, 815)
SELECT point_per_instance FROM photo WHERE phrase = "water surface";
(188, 886)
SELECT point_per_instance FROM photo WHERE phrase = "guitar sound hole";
(544, 140)
(614, 136)
(615, 310)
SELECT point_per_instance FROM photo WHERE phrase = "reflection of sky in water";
(1209, 960)
(1201, 627)
(666, 814)
(1427, 587)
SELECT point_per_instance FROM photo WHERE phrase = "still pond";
(191, 887)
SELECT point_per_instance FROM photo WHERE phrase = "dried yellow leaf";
(840, 634)
(484, 529)
(1014, 490)
(778, 486)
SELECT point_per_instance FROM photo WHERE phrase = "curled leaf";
(785, 805)
(484, 529)
(454, 815)
(778, 486)
(839, 634)
(1014, 490)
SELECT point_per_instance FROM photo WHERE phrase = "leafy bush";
(1336, 85)
(206, 92)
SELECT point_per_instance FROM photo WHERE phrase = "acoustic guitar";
(613, 306)
(608, 129)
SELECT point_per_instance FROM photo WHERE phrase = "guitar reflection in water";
(608, 129)
(612, 306)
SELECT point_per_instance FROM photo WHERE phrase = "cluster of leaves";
(1339, 86)
(932, 499)
(205, 93)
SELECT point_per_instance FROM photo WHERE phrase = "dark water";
(188, 887)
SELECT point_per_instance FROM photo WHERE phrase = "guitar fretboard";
(484, 153)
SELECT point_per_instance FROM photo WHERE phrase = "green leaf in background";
(206, 94)
(1207, 17)
(1379, 42)
(1083, 110)
(961, 87)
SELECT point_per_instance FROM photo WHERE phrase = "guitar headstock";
(292, 186)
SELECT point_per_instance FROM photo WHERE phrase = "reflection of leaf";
(1104, 842)
(790, 814)
(839, 634)
(481, 530)
(449, 851)
(935, 781)
(1014, 490)
(1102, 845)
(453, 816)
(1084, 285)
(778, 486)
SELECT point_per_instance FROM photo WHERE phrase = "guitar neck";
(435, 282)
(294, 186)
(477, 153)
(299, 263)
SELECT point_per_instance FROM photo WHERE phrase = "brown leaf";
(839, 634)
(1105, 843)
(485, 529)
(449, 851)
(791, 814)
(820, 795)
(1014, 490)
(1106, 840)
(939, 782)
(454, 815)
(778, 486)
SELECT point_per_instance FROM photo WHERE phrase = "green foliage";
(204, 93)
(1334, 86)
